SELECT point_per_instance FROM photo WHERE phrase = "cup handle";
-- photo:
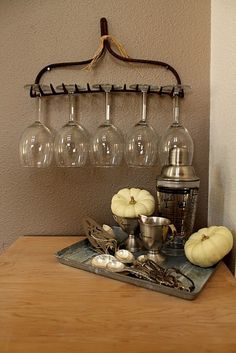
(166, 231)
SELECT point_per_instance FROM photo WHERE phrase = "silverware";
(102, 241)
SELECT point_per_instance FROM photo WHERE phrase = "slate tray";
(80, 254)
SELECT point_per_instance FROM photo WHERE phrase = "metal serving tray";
(80, 254)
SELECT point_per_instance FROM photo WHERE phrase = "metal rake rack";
(38, 89)
(50, 90)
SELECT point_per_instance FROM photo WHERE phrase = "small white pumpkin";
(208, 246)
(131, 203)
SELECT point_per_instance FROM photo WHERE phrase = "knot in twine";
(97, 53)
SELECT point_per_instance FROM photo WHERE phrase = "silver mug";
(153, 233)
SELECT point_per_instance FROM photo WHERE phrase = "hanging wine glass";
(107, 143)
(71, 144)
(36, 142)
(176, 136)
(141, 143)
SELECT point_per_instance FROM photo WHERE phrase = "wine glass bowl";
(141, 141)
(106, 148)
(141, 146)
(36, 142)
(36, 146)
(176, 137)
(71, 145)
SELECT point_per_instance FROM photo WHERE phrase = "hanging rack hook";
(104, 26)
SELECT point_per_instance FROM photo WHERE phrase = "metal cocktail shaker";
(177, 193)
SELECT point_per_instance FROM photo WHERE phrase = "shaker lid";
(179, 173)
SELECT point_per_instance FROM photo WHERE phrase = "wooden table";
(48, 307)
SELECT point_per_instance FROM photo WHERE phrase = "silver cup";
(130, 226)
(153, 232)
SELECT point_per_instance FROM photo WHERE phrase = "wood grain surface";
(48, 307)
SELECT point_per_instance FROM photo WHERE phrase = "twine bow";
(97, 53)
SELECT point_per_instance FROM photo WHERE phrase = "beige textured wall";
(35, 33)
(222, 186)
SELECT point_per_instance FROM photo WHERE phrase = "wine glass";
(36, 142)
(141, 143)
(107, 143)
(71, 143)
(176, 136)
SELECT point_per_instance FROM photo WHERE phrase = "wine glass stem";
(40, 108)
(144, 107)
(176, 109)
(71, 107)
(108, 106)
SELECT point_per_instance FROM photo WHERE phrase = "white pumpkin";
(208, 246)
(131, 203)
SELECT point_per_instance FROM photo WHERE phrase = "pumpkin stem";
(204, 237)
(132, 201)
